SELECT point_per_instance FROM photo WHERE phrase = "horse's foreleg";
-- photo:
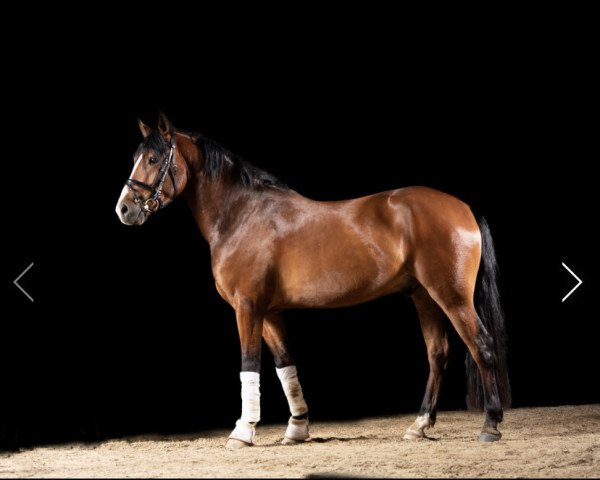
(276, 338)
(433, 324)
(250, 326)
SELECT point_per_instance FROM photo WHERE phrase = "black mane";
(153, 141)
(218, 160)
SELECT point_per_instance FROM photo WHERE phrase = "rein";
(154, 203)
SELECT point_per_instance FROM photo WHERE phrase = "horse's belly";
(335, 280)
(344, 256)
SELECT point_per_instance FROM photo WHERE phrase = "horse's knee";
(438, 355)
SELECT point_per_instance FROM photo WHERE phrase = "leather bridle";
(154, 203)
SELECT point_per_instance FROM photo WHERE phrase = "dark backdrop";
(125, 337)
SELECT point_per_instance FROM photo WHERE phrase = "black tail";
(489, 309)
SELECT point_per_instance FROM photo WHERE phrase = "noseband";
(154, 203)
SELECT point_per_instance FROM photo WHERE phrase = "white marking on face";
(125, 190)
(137, 163)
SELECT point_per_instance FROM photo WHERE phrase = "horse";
(273, 249)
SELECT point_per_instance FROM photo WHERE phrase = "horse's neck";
(216, 204)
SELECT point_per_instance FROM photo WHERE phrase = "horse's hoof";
(489, 436)
(291, 441)
(414, 435)
(235, 444)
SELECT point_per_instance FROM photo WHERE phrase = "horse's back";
(430, 209)
(349, 251)
(413, 214)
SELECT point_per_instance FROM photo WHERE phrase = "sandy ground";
(537, 442)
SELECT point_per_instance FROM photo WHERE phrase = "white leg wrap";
(297, 430)
(293, 391)
(250, 397)
(244, 431)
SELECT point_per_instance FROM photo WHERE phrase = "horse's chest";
(240, 270)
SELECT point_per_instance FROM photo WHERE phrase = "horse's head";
(159, 174)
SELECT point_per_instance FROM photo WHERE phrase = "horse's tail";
(489, 309)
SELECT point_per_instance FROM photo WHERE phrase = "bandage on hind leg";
(297, 429)
(292, 389)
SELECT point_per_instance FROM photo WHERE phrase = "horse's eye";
(152, 160)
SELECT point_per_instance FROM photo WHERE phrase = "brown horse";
(273, 249)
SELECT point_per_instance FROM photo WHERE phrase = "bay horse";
(273, 249)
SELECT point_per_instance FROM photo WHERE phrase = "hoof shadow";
(339, 439)
(330, 475)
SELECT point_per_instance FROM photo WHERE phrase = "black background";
(128, 334)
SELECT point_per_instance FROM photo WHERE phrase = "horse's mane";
(219, 160)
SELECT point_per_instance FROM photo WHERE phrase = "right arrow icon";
(579, 281)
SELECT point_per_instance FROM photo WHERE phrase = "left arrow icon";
(16, 282)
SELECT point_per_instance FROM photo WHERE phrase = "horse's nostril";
(124, 209)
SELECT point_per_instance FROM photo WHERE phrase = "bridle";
(154, 203)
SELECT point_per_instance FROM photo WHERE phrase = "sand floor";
(537, 442)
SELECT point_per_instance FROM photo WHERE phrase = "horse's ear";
(164, 126)
(145, 129)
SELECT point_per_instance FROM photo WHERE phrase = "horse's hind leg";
(276, 338)
(449, 275)
(463, 316)
(434, 326)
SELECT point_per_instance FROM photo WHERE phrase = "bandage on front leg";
(250, 397)
(244, 431)
(292, 389)
(245, 427)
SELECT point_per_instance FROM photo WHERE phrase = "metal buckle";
(151, 205)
